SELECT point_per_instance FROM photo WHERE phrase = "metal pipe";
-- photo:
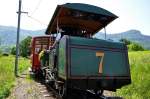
(105, 32)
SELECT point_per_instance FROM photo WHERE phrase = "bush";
(5, 54)
(135, 47)
(125, 41)
(131, 45)
(13, 50)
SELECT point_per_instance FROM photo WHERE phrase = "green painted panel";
(96, 42)
(85, 62)
(62, 58)
(51, 59)
(89, 9)
(115, 63)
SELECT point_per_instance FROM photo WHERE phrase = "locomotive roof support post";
(105, 32)
(17, 41)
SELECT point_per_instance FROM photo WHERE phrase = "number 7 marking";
(100, 54)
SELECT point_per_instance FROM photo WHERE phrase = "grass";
(140, 74)
(7, 78)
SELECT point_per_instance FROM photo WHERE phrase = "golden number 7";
(100, 54)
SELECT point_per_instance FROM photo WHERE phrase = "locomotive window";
(37, 50)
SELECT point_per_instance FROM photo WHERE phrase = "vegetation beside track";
(140, 74)
(7, 78)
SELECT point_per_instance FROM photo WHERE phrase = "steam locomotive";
(76, 60)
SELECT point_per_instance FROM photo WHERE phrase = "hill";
(8, 34)
(133, 35)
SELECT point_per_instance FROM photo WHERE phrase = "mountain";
(8, 34)
(132, 35)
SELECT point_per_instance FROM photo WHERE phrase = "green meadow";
(7, 78)
(140, 74)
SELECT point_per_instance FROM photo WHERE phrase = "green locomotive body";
(94, 63)
(78, 61)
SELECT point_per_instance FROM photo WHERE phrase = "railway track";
(51, 93)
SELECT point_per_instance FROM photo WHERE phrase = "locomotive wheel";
(62, 91)
(99, 92)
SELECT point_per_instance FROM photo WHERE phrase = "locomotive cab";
(83, 62)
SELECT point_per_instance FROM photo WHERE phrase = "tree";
(24, 46)
(132, 46)
(125, 41)
(135, 47)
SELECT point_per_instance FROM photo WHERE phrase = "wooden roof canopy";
(84, 17)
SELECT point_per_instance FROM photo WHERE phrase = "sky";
(133, 14)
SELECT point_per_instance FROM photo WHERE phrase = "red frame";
(37, 44)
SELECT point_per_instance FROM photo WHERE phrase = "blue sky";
(133, 14)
